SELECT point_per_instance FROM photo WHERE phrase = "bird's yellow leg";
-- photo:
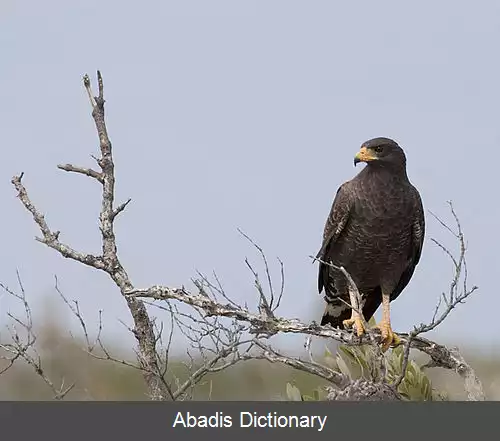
(357, 322)
(389, 338)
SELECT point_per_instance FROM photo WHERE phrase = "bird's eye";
(378, 149)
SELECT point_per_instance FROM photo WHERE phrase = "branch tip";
(101, 85)
(88, 88)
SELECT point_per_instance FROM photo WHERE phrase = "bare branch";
(23, 347)
(311, 367)
(451, 359)
(84, 171)
(271, 326)
(120, 208)
(442, 356)
(268, 306)
(363, 390)
(211, 367)
(109, 261)
(51, 239)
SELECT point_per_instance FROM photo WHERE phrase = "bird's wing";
(418, 228)
(335, 224)
(418, 234)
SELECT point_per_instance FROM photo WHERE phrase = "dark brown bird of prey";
(375, 231)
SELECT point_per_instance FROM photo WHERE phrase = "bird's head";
(381, 152)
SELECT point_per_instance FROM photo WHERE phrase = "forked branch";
(108, 261)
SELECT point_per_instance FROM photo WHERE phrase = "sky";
(247, 114)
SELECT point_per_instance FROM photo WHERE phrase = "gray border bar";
(151, 420)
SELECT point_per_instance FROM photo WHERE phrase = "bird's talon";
(396, 341)
(357, 323)
(389, 337)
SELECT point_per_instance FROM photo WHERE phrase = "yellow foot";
(358, 325)
(389, 338)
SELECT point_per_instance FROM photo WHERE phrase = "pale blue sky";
(227, 114)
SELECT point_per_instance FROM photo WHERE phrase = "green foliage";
(416, 385)
(363, 362)
(293, 394)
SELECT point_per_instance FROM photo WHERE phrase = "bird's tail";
(335, 313)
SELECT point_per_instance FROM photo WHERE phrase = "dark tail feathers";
(337, 311)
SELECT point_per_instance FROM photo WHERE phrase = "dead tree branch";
(457, 294)
(221, 331)
(22, 344)
(108, 261)
(261, 323)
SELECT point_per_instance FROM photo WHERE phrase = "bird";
(375, 232)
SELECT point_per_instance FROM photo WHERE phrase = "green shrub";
(362, 362)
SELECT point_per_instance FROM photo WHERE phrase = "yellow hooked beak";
(364, 155)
